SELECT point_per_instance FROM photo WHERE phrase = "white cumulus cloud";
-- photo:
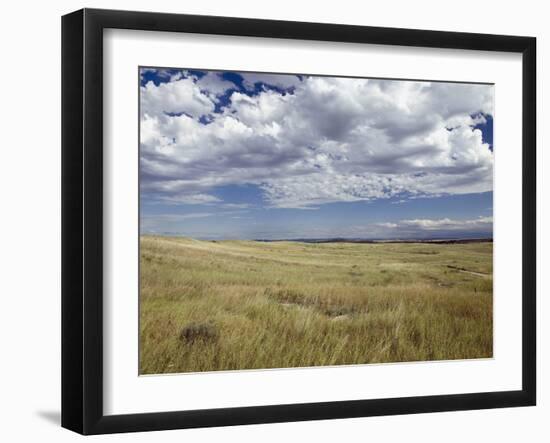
(326, 140)
(415, 227)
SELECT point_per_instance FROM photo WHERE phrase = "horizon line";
(483, 238)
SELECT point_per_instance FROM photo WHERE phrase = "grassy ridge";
(209, 306)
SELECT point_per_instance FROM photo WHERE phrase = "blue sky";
(227, 155)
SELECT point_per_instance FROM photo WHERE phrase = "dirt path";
(466, 271)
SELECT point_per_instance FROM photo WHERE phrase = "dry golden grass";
(207, 306)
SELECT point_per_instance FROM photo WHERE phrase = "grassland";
(207, 306)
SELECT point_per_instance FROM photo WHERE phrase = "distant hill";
(440, 241)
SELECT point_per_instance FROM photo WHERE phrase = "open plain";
(232, 305)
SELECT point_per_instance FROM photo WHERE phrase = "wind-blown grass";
(207, 306)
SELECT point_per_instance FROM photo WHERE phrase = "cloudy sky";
(267, 156)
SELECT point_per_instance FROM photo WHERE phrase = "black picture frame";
(82, 220)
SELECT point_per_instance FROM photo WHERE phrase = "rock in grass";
(204, 332)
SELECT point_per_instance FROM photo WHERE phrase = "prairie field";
(230, 305)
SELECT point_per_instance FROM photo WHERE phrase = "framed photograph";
(269, 221)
